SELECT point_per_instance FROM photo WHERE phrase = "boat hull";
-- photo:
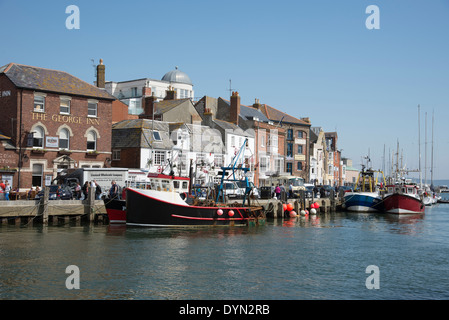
(156, 209)
(116, 210)
(363, 202)
(403, 204)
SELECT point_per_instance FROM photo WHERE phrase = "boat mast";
(431, 156)
(419, 146)
(425, 151)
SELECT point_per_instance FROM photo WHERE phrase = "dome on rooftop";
(177, 76)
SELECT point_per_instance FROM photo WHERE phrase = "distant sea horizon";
(438, 182)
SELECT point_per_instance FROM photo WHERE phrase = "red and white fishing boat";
(116, 208)
(403, 198)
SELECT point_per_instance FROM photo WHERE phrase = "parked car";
(232, 190)
(242, 186)
(327, 189)
(309, 191)
(57, 193)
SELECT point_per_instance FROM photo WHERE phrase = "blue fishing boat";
(366, 196)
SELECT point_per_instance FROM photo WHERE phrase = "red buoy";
(231, 213)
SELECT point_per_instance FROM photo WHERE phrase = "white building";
(131, 92)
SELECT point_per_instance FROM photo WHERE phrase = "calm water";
(315, 258)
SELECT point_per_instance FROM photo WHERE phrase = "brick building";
(51, 120)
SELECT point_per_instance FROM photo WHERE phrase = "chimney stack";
(256, 104)
(207, 117)
(101, 74)
(146, 91)
(148, 106)
(170, 93)
(235, 108)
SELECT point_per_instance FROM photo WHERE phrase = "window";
(300, 134)
(273, 140)
(64, 106)
(278, 163)
(92, 109)
(38, 137)
(64, 137)
(262, 141)
(290, 149)
(116, 154)
(91, 141)
(263, 164)
(159, 157)
(134, 92)
(299, 166)
(39, 103)
(300, 149)
(157, 136)
(37, 175)
(290, 134)
(289, 167)
(218, 160)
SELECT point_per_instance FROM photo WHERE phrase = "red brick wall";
(8, 110)
(129, 158)
(77, 121)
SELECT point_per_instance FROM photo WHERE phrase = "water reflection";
(398, 224)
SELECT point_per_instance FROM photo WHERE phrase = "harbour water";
(316, 258)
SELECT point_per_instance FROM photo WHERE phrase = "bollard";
(43, 206)
(89, 205)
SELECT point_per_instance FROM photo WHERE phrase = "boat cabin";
(161, 182)
(404, 189)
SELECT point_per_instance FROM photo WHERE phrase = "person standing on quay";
(85, 189)
(7, 190)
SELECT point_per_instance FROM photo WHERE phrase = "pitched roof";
(166, 105)
(249, 112)
(276, 115)
(35, 78)
(138, 133)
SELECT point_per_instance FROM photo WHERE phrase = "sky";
(308, 58)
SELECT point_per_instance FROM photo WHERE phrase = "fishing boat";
(403, 198)
(169, 208)
(366, 196)
(116, 207)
